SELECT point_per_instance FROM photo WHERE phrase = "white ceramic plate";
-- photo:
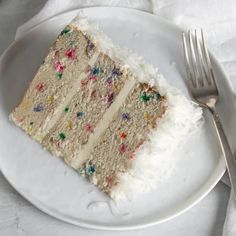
(55, 188)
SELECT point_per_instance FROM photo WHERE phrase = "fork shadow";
(223, 192)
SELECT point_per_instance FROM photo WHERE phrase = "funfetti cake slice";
(106, 113)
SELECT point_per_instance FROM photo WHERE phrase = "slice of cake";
(105, 112)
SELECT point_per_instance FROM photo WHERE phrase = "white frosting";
(155, 160)
(182, 117)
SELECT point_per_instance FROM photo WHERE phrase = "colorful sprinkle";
(122, 147)
(50, 99)
(152, 125)
(29, 129)
(40, 87)
(70, 53)
(38, 108)
(66, 109)
(158, 96)
(110, 97)
(126, 116)
(116, 72)
(69, 124)
(65, 31)
(145, 97)
(84, 82)
(109, 181)
(95, 71)
(123, 135)
(59, 67)
(92, 77)
(90, 49)
(146, 115)
(80, 114)
(59, 75)
(62, 136)
(117, 87)
(90, 169)
(88, 127)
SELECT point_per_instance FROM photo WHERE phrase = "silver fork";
(202, 86)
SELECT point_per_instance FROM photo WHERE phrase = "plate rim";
(221, 166)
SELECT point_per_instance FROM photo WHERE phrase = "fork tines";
(198, 63)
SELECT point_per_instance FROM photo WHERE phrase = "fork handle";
(227, 153)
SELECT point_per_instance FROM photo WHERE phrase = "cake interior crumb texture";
(105, 112)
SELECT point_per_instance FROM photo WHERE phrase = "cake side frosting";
(155, 160)
(180, 120)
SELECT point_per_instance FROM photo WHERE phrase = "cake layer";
(129, 129)
(89, 101)
(66, 60)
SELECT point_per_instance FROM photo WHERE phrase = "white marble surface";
(18, 217)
